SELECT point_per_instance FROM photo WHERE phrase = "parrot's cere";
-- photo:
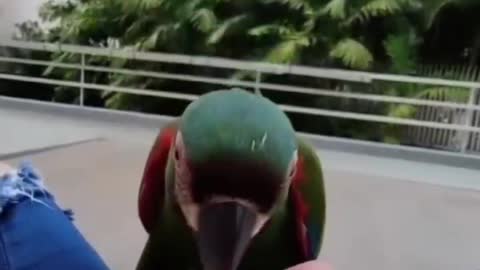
(230, 186)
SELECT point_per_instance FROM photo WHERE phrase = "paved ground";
(382, 213)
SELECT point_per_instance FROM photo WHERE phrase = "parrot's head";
(235, 156)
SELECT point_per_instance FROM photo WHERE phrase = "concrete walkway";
(383, 213)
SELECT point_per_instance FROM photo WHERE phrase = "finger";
(312, 265)
(4, 168)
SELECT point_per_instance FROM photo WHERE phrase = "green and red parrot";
(230, 186)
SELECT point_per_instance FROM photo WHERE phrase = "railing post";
(82, 80)
(468, 119)
(258, 80)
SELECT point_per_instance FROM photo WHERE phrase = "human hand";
(312, 265)
(4, 168)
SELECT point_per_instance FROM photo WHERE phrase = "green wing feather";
(311, 187)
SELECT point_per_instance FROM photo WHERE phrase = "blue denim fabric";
(35, 234)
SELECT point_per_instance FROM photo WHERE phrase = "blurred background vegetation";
(436, 38)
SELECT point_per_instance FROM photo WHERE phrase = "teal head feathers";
(238, 124)
(235, 155)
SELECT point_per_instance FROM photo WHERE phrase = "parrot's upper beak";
(224, 232)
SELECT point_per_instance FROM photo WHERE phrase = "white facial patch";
(291, 171)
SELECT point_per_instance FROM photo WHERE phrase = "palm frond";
(160, 33)
(60, 59)
(294, 4)
(149, 4)
(140, 5)
(288, 51)
(402, 111)
(352, 53)
(204, 19)
(270, 29)
(450, 94)
(297, 4)
(227, 27)
(138, 28)
(380, 8)
(87, 18)
(402, 51)
(335, 9)
(117, 101)
(438, 93)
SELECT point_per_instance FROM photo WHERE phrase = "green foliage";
(292, 28)
(430, 93)
(354, 49)
(228, 26)
(357, 34)
(434, 93)
(288, 51)
(269, 30)
(353, 54)
(336, 9)
(205, 20)
(402, 51)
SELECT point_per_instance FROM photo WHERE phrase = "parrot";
(230, 185)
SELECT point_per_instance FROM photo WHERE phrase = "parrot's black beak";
(224, 233)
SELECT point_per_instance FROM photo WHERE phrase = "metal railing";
(470, 126)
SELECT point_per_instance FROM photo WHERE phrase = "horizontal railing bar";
(217, 62)
(265, 86)
(152, 57)
(367, 97)
(377, 118)
(110, 88)
(424, 80)
(16, 60)
(289, 108)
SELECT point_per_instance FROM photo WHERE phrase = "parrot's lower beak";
(224, 232)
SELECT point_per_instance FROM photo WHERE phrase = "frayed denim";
(35, 233)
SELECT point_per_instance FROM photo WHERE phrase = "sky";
(14, 11)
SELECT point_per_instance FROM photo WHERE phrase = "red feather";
(301, 208)
(152, 187)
